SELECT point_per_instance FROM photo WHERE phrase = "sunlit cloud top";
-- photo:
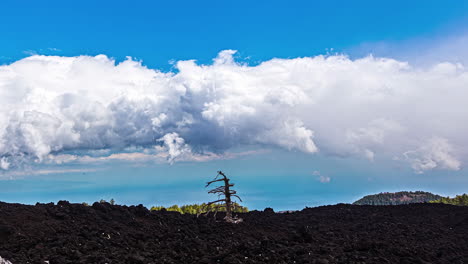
(370, 107)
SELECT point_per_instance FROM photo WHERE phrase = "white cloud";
(324, 179)
(158, 155)
(436, 152)
(175, 146)
(4, 164)
(372, 136)
(321, 178)
(369, 107)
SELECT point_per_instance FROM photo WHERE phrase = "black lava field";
(104, 233)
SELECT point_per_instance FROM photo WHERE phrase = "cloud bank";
(375, 108)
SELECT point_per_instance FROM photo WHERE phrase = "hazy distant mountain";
(396, 198)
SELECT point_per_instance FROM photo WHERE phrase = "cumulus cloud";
(4, 164)
(436, 152)
(372, 135)
(174, 146)
(369, 107)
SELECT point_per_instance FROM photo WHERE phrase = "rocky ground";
(104, 233)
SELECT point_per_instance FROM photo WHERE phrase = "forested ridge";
(388, 198)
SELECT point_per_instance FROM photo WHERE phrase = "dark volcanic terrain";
(104, 233)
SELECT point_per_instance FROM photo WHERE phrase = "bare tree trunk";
(228, 198)
(227, 193)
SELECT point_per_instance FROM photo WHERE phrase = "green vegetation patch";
(457, 200)
(198, 208)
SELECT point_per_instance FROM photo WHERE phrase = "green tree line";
(457, 200)
(197, 208)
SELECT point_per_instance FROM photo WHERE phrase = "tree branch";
(217, 201)
(217, 189)
(210, 182)
(237, 197)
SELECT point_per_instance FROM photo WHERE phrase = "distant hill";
(397, 198)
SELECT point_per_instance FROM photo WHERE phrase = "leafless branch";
(217, 201)
(237, 197)
(210, 182)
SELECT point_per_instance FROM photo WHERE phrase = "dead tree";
(226, 202)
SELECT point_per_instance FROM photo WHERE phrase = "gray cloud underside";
(369, 107)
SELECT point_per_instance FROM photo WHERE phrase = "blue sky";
(329, 149)
(159, 31)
